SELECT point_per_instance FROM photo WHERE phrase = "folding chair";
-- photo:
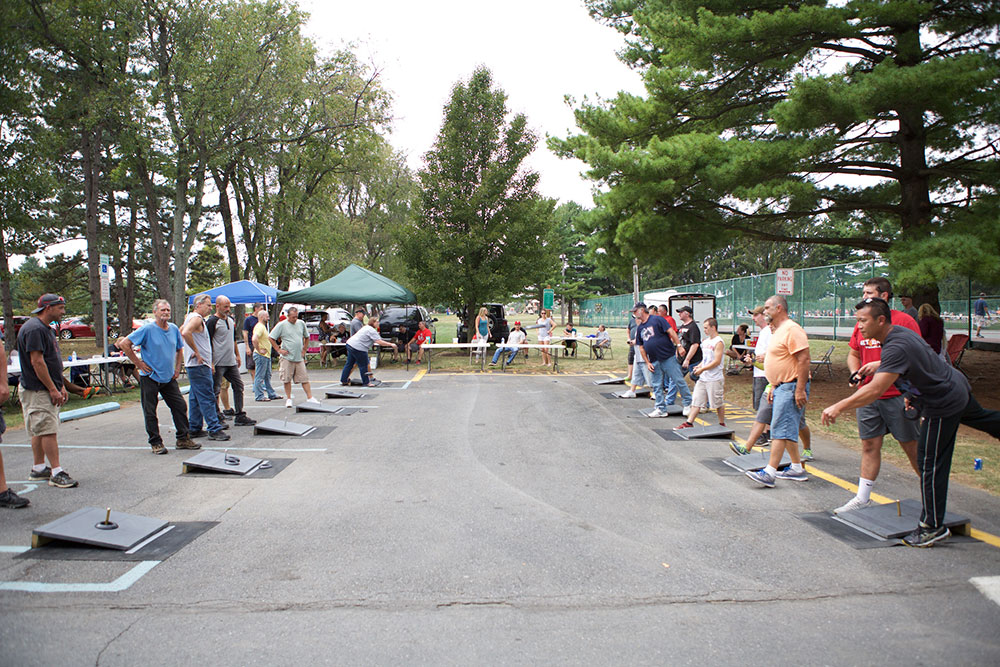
(825, 361)
(956, 350)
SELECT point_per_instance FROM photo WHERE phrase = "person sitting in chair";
(569, 346)
(517, 338)
(422, 336)
(739, 338)
(603, 342)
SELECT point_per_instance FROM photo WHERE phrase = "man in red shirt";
(422, 336)
(885, 415)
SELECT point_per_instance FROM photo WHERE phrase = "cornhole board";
(672, 411)
(281, 427)
(341, 410)
(620, 380)
(699, 432)
(755, 460)
(888, 522)
(215, 461)
(332, 393)
(639, 393)
(382, 383)
(81, 527)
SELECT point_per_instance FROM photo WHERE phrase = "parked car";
(497, 315)
(75, 327)
(332, 316)
(398, 324)
(19, 321)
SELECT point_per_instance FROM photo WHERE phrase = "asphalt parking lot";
(484, 518)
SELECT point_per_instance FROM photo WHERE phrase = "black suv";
(497, 316)
(399, 323)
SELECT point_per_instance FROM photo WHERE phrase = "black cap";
(638, 305)
(46, 300)
(685, 308)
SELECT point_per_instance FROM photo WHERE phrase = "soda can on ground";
(977, 464)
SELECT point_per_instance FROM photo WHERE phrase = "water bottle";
(502, 341)
(72, 356)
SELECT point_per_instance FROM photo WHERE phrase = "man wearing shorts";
(885, 415)
(787, 370)
(709, 390)
(42, 389)
(981, 314)
(291, 339)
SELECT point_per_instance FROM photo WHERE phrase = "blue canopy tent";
(242, 291)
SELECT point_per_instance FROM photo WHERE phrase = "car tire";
(66, 334)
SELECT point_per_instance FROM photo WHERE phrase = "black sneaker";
(223, 424)
(11, 500)
(218, 435)
(63, 480)
(229, 412)
(159, 449)
(243, 420)
(200, 433)
(763, 441)
(925, 536)
(35, 476)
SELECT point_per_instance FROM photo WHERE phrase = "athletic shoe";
(854, 503)
(794, 475)
(63, 480)
(628, 394)
(11, 500)
(288, 403)
(492, 363)
(223, 425)
(314, 401)
(925, 536)
(683, 425)
(229, 412)
(243, 420)
(158, 449)
(262, 400)
(200, 433)
(761, 477)
(186, 443)
(654, 413)
(218, 435)
(738, 449)
(763, 441)
(807, 455)
(89, 392)
(35, 476)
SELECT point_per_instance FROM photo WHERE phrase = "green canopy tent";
(352, 285)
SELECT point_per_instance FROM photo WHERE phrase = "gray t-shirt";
(364, 339)
(291, 336)
(356, 325)
(943, 390)
(223, 340)
(201, 341)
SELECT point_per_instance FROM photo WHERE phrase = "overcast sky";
(539, 51)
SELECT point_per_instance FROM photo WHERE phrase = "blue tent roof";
(242, 291)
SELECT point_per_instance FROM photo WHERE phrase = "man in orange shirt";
(786, 366)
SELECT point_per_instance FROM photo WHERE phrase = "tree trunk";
(126, 316)
(90, 148)
(161, 246)
(5, 296)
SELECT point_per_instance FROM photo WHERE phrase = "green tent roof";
(352, 285)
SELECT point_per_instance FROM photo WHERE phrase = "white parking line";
(988, 586)
(120, 584)
(146, 449)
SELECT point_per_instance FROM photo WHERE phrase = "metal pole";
(635, 280)
(104, 323)
(968, 309)
(835, 315)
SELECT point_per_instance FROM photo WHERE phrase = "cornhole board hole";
(620, 380)
(700, 432)
(639, 393)
(81, 527)
(281, 427)
(672, 411)
(331, 393)
(755, 461)
(215, 461)
(892, 521)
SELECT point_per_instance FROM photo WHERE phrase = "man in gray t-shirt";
(198, 363)
(358, 321)
(941, 393)
(222, 332)
(291, 338)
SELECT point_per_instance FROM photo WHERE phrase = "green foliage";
(483, 230)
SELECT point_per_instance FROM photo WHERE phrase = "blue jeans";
(500, 350)
(201, 399)
(676, 383)
(355, 357)
(262, 378)
(656, 380)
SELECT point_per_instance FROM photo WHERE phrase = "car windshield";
(395, 315)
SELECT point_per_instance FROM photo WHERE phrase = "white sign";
(105, 259)
(785, 281)
(105, 283)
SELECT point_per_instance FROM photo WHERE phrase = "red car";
(75, 327)
(19, 321)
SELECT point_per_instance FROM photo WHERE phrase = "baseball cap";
(638, 305)
(46, 300)
(759, 310)
(683, 309)
(517, 323)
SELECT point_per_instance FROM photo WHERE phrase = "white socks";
(797, 467)
(865, 488)
(770, 470)
(38, 468)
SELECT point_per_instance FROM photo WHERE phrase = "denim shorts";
(786, 416)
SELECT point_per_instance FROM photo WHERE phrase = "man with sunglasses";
(884, 414)
(939, 391)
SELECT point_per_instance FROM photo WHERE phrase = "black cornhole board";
(343, 393)
(281, 427)
(620, 380)
(81, 527)
(277, 465)
(672, 411)
(215, 461)
(698, 432)
(756, 460)
(885, 522)
(165, 545)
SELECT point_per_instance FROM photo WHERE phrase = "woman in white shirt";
(546, 324)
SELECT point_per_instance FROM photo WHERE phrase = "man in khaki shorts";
(291, 339)
(710, 388)
(42, 389)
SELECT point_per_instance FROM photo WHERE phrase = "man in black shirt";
(939, 391)
(42, 389)
(8, 498)
(689, 353)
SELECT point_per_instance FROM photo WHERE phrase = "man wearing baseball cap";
(42, 389)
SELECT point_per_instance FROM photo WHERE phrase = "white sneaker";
(314, 401)
(854, 503)
(628, 394)
(654, 413)
(288, 403)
